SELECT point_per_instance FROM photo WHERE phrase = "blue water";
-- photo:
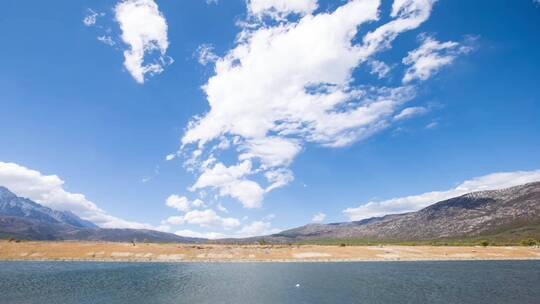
(238, 283)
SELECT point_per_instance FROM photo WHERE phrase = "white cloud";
(106, 40)
(248, 192)
(91, 18)
(432, 125)
(319, 217)
(407, 14)
(222, 208)
(289, 83)
(269, 217)
(204, 235)
(431, 56)
(279, 9)
(410, 112)
(180, 203)
(49, 191)
(230, 182)
(379, 68)
(278, 178)
(197, 203)
(256, 228)
(203, 218)
(144, 30)
(205, 54)
(271, 151)
(221, 176)
(417, 202)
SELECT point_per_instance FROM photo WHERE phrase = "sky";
(214, 118)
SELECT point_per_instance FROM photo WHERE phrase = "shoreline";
(70, 251)
(263, 261)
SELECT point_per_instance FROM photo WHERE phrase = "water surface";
(239, 283)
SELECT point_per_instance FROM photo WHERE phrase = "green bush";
(484, 243)
(529, 242)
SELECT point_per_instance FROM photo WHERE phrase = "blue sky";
(316, 108)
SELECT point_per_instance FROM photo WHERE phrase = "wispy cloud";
(410, 112)
(206, 55)
(417, 202)
(91, 17)
(106, 40)
(432, 125)
(430, 57)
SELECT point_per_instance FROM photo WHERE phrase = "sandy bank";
(103, 251)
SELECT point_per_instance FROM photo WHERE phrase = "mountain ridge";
(11, 204)
(469, 215)
(25, 219)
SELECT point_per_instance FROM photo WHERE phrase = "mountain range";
(507, 214)
(24, 219)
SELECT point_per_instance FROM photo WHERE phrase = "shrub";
(342, 245)
(484, 243)
(529, 242)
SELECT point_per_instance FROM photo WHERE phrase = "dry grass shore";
(142, 252)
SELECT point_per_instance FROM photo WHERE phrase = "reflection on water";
(238, 283)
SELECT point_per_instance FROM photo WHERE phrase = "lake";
(238, 283)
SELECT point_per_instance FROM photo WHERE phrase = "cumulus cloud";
(256, 228)
(49, 191)
(180, 203)
(279, 9)
(379, 68)
(203, 235)
(289, 83)
(416, 202)
(230, 182)
(203, 218)
(144, 30)
(431, 56)
(319, 217)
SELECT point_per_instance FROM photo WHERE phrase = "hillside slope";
(471, 215)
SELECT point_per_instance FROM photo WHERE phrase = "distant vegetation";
(522, 236)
